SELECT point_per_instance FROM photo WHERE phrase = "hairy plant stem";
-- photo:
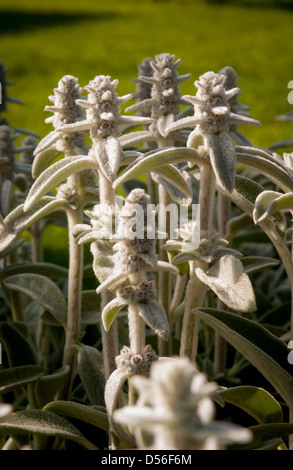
(224, 211)
(74, 216)
(15, 297)
(110, 338)
(164, 279)
(36, 242)
(196, 289)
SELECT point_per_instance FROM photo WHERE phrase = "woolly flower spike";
(132, 363)
(132, 257)
(175, 407)
(235, 106)
(9, 167)
(165, 94)
(143, 89)
(4, 94)
(136, 250)
(102, 121)
(212, 119)
(66, 111)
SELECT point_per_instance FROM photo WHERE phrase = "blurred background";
(42, 41)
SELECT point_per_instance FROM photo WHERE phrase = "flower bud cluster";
(103, 111)
(132, 363)
(66, 111)
(212, 106)
(144, 89)
(7, 151)
(131, 251)
(142, 292)
(165, 91)
(68, 192)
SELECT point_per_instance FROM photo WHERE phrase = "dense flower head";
(135, 235)
(7, 151)
(143, 89)
(66, 111)
(212, 107)
(29, 143)
(103, 111)
(175, 405)
(142, 292)
(132, 363)
(165, 91)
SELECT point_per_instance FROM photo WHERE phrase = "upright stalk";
(110, 338)
(74, 216)
(196, 289)
(164, 277)
(224, 207)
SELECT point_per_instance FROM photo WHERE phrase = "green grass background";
(42, 41)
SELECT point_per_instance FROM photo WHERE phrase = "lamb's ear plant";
(132, 347)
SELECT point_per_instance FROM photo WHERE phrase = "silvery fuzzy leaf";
(54, 175)
(264, 350)
(42, 160)
(223, 159)
(164, 266)
(195, 139)
(230, 283)
(22, 168)
(175, 193)
(53, 271)
(44, 291)
(88, 414)
(19, 376)
(112, 282)
(1, 220)
(149, 258)
(156, 160)
(155, 317)
(175, 183)
(108, 155)
(47, 387)
(185, 257)
(90, 307)
(26, 132)
(111, 310)
(78, 126)
(91, 372)
(10, 247)
(135, 138)
(112, 392)
(20, 182)
(266, 165)
(17, 344)
(239, 119)
(144, 105)
(270, 202)
(103, 264)
(253, 264)
(240, 139)
(164, 122)
(18, 221)
(135, 120)
(47, 142)
(282, 143)
(44, 423)
(187, 122)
